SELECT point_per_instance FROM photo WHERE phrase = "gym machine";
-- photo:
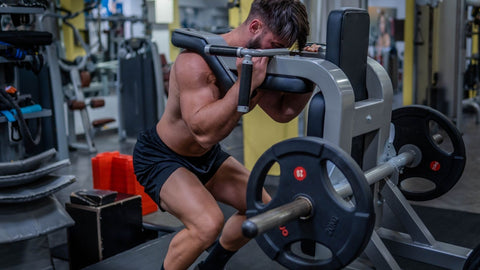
(73, 92)
(141, 94)
(29, 165)
(317, 174)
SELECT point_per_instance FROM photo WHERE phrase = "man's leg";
(185, 197)
(229, 186)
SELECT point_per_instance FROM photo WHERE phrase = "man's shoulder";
(190, 62)
(189, 56)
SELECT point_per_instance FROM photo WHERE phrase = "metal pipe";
(241, 52)
(300, 207)
(381, 171)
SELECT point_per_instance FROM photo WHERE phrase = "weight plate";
(442, 162)
(344, 229)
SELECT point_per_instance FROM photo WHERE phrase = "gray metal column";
(56, 89)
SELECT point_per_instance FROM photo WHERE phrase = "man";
(180, 162)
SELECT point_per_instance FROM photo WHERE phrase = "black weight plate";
(344, 230)
(444, 169)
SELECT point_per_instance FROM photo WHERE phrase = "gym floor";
(463, 197)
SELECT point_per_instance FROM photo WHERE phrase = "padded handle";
(245, 85)
(223, 50)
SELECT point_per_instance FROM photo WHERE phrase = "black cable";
(29, 142)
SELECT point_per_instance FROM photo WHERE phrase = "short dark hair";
(287, 19)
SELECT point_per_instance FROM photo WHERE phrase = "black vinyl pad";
(36, 190)
(26, 165)
(225, 77)
(28, 177)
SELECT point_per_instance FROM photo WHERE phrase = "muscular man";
(180, 162)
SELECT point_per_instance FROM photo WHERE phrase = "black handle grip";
(222, 50)
(245, 85)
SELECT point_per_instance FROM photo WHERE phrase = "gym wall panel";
(408, 53)
(451, 47)
(174, 51)
(260, 132)
(72, 50)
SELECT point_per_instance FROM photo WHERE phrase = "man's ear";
(255, 26)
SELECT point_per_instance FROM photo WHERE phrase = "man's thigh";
(229, 184)
(185, 197)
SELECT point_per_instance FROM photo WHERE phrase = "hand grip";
(245, 85)
(223, 50)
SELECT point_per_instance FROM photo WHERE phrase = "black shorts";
(154, 162)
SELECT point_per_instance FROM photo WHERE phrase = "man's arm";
(283, 107)
(209, 116)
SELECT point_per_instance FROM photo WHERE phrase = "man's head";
(286, 20)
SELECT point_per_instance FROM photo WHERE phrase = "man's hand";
(312, 48)
(259, 70)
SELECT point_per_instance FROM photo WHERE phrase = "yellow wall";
(174, 51)
(73, 50)
(408, 53)
(259, 130)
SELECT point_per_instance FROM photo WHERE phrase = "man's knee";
(209, 226)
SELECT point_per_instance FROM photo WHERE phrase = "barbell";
(307, 206)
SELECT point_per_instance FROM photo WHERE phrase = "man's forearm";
(216, 120)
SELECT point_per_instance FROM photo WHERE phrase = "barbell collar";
(438, 138)
(301, 207)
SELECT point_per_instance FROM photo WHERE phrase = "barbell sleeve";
(300, 207)
(381, 171)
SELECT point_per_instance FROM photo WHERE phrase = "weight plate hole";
(272, 180)
(339, 186)
(310, 250)
(440, 137)
(417, 185)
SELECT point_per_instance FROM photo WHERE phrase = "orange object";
(10, 89)
(114, 171)
(148, 205)
(101, 168)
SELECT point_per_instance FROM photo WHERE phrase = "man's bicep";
(195, 94)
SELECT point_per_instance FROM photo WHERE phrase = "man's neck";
(238, 37)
